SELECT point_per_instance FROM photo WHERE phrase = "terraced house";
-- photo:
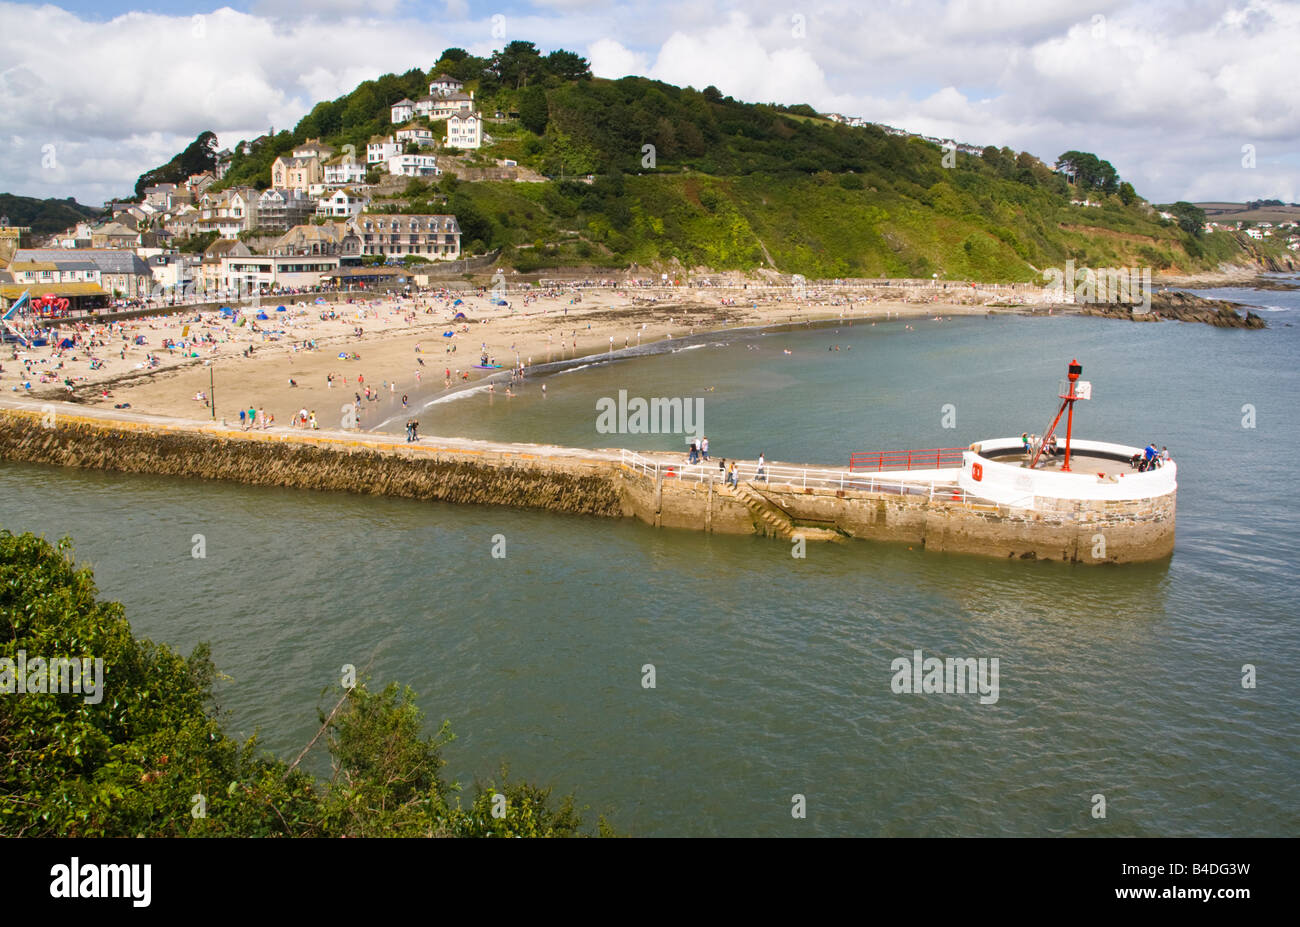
(120, 273)
(229, 212)
(332, 239)
(434, 237)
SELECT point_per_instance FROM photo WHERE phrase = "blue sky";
(1170, 91)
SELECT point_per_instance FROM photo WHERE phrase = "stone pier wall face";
(1087, 532)
(301, 462)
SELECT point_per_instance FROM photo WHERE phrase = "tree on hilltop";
(199, 156)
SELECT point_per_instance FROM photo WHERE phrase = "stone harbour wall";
(564, 480)
(307, 462)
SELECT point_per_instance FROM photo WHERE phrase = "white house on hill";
(380, 149)
(444, 84)
(413, 165)
(465, 131)
(421, 136)
(402, 111)
(344, 170)
(341, 204)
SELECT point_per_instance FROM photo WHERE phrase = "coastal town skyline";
(1042, 79)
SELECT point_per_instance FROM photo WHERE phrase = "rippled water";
(773, 673)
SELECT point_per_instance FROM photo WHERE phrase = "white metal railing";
(795, 478)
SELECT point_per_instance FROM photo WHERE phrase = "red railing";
(934, 458)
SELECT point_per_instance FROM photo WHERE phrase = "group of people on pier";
(1149, 458)
(1033, 443)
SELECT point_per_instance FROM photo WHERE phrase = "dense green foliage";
(196, 243)
(135, 762)
(1089, 171)
(1190, 218)
(45, 217)
(199, 156)
(642, 171)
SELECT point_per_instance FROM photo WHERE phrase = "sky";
(1189, 99)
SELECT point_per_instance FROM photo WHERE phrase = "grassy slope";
(812, 225)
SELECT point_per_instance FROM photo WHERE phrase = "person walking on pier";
(760, 473)
(704, 448)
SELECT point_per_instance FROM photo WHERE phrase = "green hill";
(645, 172)
(45, 217)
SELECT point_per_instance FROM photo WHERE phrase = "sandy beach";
(319, 357)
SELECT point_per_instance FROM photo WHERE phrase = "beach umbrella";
(280, 309)
(262, 316)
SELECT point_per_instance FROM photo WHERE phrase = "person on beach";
(312, 419)
(243, 420)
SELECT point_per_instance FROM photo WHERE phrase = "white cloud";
(732, 57)
(610, 59)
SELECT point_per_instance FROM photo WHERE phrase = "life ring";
(977, 472)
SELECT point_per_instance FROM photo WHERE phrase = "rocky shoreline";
(1180, 307)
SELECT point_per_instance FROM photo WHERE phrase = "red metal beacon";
(1071, 391)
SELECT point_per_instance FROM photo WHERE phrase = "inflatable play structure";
(51, 306)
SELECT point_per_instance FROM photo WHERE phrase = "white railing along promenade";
(796, 477)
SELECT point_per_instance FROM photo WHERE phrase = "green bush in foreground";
(149, 759)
